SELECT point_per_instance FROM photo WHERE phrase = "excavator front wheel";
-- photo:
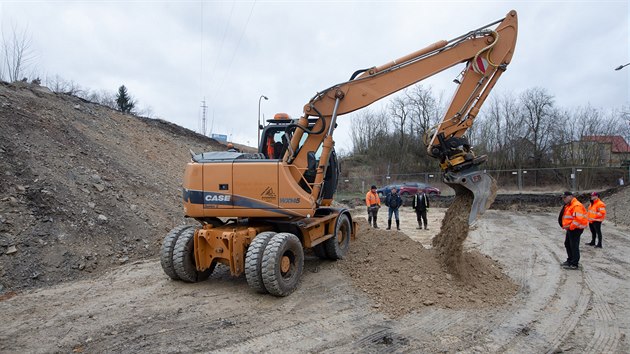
(253, 261)
(338, 245)
(282, 264)
(184, 258)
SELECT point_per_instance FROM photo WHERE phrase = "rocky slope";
(83, 187)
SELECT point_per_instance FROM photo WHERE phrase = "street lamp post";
(260, 126)
(621, 66)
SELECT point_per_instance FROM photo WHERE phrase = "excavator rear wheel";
(282, 264)
(184, 259)
(166, 252)
(253, 261)
(338, 245)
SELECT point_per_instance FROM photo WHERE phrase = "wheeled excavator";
(258, 212)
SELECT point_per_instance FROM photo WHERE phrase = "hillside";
(83, 187)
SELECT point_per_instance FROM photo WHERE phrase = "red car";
(411, 188)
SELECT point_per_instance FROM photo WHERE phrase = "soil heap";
(83, 187)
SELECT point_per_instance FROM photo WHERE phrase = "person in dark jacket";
(394, 202)
(421, 205)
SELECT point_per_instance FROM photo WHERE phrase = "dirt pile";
(83, 187)
(402, 276)
(618, 206)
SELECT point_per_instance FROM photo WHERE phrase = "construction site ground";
(87, 194)
(136, 308)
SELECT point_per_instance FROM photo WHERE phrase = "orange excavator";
(259, 212)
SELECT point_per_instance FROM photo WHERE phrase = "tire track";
(607, 332)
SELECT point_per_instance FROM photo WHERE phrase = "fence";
(531, 180)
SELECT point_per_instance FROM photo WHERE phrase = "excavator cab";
(273, 145)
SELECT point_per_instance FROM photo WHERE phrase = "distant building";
(219, 137)
(594, 150)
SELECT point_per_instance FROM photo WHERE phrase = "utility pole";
(203, 116)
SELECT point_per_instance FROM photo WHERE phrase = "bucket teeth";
(480, 184)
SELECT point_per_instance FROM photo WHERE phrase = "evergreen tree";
(124, 101)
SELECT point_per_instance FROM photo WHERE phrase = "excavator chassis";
(270, 252)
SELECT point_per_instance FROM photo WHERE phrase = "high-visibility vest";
(597, 210)
(574, 216)
(372, 198)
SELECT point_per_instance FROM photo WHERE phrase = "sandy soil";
(135, 307)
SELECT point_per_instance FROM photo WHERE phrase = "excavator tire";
(166, 252)
(338, 245)
(184, 259)
(282, 264)
(253, 261)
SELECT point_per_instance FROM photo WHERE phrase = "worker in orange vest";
(596, 215)
(574, 220)
(373, 203)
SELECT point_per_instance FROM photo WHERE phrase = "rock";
(404, 257)
(133, 207)
(13, 201)
(20, 188)
(428, 302)
(123, 260)
(440, 291)
(11, 250)
(449, 277)
(96, 177)
(92, 205)
(81, 266)
(417, 278)
(101, 218)
(77, 106)
(99, 187)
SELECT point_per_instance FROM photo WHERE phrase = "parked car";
(384, 191)
(411, 188)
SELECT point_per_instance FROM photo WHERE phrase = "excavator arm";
(485, 51)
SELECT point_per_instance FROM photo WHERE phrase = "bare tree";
(538, 115)
(59, 85)
(17, 53)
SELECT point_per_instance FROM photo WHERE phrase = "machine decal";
(290, 200)
(212, 200)
(201, 197)
(268, 194)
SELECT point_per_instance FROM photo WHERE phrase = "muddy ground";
(136, 308)
(87, 195)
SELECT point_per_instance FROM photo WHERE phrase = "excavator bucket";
(481, 185)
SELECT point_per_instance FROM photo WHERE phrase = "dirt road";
(136, 308)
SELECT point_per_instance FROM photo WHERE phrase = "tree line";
(17, 59)
(526, 130)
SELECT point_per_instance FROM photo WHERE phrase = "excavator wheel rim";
(285, 264)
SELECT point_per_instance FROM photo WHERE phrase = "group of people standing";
(574, 218)
(393, 201)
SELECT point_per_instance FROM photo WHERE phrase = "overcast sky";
(172, 55)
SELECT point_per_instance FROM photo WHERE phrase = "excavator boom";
(486, 52)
